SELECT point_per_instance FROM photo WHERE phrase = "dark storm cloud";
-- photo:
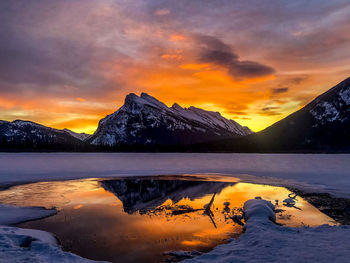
(270, 111)
(269, 108)
(279, 90)
(213, 50)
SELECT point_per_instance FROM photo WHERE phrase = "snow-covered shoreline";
(264, 241)
(29, 245)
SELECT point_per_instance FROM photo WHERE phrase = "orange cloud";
(80, 99)
(174, 56)
(176, 37)
(194, 66)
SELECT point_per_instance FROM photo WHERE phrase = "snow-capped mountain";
(143, 120)
(323, 124)
(332, 106)
(81, 136)
(30, 135)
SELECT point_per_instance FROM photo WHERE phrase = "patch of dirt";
(335, 207)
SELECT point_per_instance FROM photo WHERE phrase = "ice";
(323, 172)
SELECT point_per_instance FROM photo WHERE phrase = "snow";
(259, 210)
(325, 112)
(213, 119)
(10, 215)
(153, 101)
(264, 241)
(29, 245)
(158, 114)
(345, 95)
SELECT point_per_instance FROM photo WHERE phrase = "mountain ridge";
(21, 134)
(146, 124)
(145, 120)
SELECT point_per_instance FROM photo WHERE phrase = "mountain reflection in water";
(143, 195)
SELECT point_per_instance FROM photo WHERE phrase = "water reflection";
(137, 219)
(143, 195)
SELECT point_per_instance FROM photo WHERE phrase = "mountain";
(29, 135)
(81, 136)
(144, 120)
(323, 125)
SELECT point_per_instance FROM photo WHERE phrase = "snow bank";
(259, 210)
(264, 241)
(28, 245)
(10, 215)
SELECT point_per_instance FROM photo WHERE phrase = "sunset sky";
(67, 64)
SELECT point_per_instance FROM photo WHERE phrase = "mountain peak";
(145, 120)
(177, 107)
(133, 102)
(131, 97)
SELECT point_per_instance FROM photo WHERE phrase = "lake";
(140, 218)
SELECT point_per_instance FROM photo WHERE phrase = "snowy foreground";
(264, 241)
(27, 245)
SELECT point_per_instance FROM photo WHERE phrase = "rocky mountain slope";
(81, 136)
(146, 121)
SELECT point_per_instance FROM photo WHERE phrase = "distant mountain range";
(29, 135)
(144, 123)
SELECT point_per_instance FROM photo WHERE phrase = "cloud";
(162, 12)
(279, 90)
(213, 50)
(269, 108)
(40, 55)
(53, 52)
(270, 111)
(177, 37)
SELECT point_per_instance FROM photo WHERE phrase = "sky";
(69, 63)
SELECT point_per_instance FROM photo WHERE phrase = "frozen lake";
(327, 172)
